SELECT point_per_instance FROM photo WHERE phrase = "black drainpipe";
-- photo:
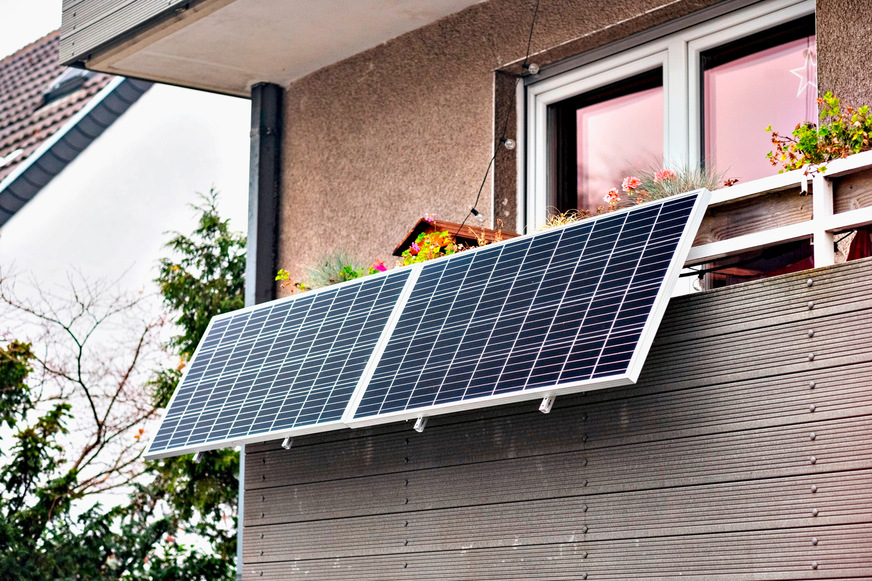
(264, 188)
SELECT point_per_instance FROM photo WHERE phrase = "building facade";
(744, 450)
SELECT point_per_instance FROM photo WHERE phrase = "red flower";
(379, 266)
(612, 196)
(664, 174)
(630, 183)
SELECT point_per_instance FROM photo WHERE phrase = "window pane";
(617, 138)
(777, 85)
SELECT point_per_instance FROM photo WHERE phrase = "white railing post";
(822, 213)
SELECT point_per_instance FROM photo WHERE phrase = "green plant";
(284, 277)
(663, 183)
(842, 131)
(557, 218)
(205, 277)
(334, 268)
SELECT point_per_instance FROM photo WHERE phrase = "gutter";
(59, 150)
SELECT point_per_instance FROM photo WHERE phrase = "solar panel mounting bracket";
(547, 402)
(420, 424)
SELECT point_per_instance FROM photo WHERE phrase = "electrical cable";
(848, 233)
(502, 137)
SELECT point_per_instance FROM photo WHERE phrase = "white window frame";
(679, 56)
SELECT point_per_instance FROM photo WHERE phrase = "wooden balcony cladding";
(774, 210)
(744, 452)
(747, 216)
(87, 25)
(852, 192)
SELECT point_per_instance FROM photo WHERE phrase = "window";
(767, 78)
(602, 135)
(771, 261)
(67, 83)
(703, 94)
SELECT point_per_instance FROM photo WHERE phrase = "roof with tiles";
(27, 117)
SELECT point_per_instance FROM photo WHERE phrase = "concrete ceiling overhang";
(228, 45)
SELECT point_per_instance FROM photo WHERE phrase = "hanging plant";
(842, 131)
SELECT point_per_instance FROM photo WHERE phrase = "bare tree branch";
(99, 347)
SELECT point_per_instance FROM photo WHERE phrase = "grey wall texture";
(408, 127)
(844, 30)
(736, 456)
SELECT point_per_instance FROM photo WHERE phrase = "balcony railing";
(773, 210)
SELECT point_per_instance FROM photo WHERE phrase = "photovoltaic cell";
(565, 308)
(287, 365)
(562, 310)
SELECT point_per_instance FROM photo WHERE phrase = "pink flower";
(612, 196)
(631, 183)
(664, 174)
(428, 217)
(415, 248)
(379, 266)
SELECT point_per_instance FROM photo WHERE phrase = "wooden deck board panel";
(702, 470)
(750, 556)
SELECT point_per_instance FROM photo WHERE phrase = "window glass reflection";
(776, 86)
(617, 138)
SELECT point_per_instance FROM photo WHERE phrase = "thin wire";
(530, 37)
(505, 127)
(489, 165)
(845, 236)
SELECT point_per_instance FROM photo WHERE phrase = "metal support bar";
(547, 402)
(240, 511)
(264, 187)
(822, 212)
(420, 424)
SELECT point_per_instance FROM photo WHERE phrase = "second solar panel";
(562, 309)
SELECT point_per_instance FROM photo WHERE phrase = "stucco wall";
(377, 140)
(844, 30)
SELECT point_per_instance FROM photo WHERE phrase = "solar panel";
(565, 310)
(281, 368)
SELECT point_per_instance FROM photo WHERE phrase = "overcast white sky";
(23, 22)
(134, 183)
